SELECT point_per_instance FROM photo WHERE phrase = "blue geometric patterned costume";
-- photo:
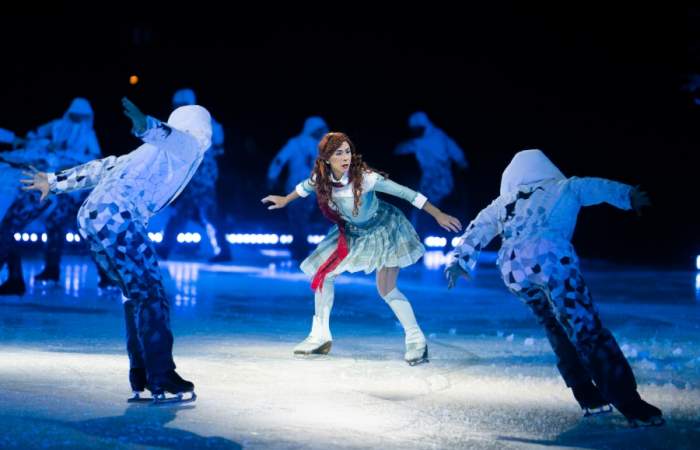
(536, 215)
(127, 191)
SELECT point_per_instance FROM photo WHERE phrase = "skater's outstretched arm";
(76, 178)
(479, 234)
(278, 202)
(406, 148)
(303, 189)
(418, 200)
(593, 191)
(152, 131)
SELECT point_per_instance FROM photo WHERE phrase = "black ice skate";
(641, 414)
(137, 378)
(171, 383)
(591, 400)
(13, 286)
(50, 273)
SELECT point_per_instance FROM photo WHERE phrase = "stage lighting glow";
(133, 80)
(181, 237)
(44, 237)
(434, 259)
(33, 237)
(456, 241)
(25, 237)
(196, 237)
(18, 237)
(435, 241)
(69, 237)
(256, 238)
(697, 262)
(314, 238)
(286, 239)
(76, 237)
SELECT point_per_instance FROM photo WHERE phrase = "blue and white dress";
(378, 236)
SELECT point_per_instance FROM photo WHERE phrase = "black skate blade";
(591, 412)
(655, 421)
(322, 350)
(422, 360)
(178, 399)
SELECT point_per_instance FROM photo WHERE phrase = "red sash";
(340, 252)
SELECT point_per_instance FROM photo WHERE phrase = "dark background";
(600, 90)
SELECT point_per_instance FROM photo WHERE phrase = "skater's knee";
(385, 289)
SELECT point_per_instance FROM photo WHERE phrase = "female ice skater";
(126, 192)
(369, 235)
(535, 215)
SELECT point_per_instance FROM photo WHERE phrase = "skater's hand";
(138, 119)
(453, 272)
(448, 222)
(639, 199)
(277, 201)
(37, 181)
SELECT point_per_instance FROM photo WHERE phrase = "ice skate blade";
(590, 412)
(416, 362)
(322, 350)
(162, 399)
(656, 421)
(138, 399)
(422, 360)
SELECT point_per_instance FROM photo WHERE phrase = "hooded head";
(80, 111)
(528, 167)
(315, 127)
(418, 122)
(193, 120)
(184, 97)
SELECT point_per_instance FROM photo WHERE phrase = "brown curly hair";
(321, 173)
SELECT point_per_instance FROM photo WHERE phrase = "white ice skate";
(416, 347)
(318, 342)
(416, 353)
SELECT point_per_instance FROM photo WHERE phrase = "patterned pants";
(120, 245)
(545, 274)
(24, 210)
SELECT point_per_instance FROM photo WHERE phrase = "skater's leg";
(209, 215)
(14, 285)
(23, 210)
(137, 365)
(56, 223)
(568, 362)
(416, 347)
(320, 338)
(128, 253)
(597, 348)
(133, 345)
(570, 367)
(176, 222)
